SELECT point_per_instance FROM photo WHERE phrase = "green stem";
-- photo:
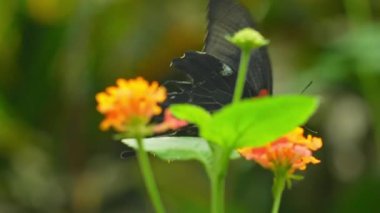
(148, 176)
(278, 187)
(265, 10)
(218, 179)
(218, 188)
(242, 74)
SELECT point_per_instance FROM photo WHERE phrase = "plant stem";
(278, 188)
(218, 179)
(148, 177)
(218, 188)
(265, 10)
(242, 74)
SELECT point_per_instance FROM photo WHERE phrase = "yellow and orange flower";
(292, 151)
(130, 101)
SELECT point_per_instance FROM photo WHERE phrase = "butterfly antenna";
(310, 130)
(303, 91)
(307, 87)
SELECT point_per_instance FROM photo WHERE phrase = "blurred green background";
(55, 55)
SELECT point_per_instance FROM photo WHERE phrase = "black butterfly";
(213, 71)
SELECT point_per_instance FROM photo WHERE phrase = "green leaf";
(178, 148)
(256, 122)
(175, 148)
(191, 113)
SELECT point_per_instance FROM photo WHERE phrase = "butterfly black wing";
(213, 72)
(225, 18)
(208, 88)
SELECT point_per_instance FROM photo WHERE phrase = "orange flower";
(292, 151)
(130, 101)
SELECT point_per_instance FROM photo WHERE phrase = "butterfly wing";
(213, 72)
(225, 18)
(208, 88)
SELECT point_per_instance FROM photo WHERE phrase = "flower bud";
(248, 39)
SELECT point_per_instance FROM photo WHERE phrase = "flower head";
(248, 39)
(292, 152)
(129, 102)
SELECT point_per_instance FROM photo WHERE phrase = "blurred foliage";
(56, 54)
